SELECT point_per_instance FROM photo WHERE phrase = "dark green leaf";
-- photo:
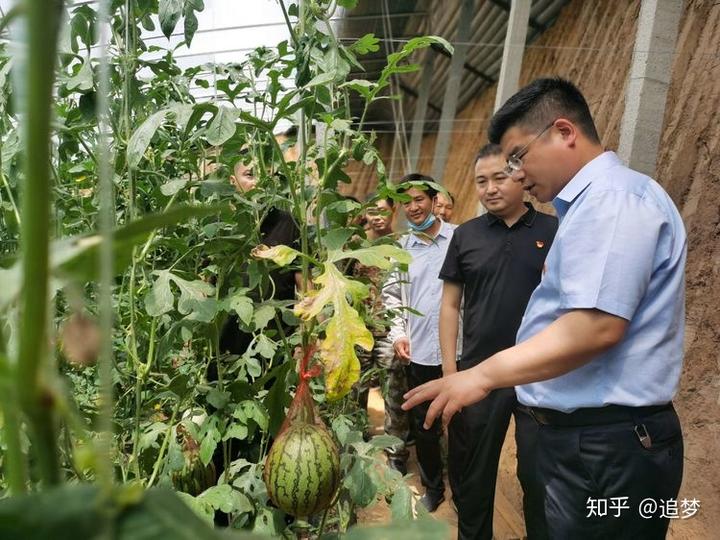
(401, 504)
(190, 26)
(360, 485)
(278, 397)
(77, 256)
(169, 12)
(218, 398)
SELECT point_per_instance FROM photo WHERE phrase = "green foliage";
(71, 512)
(186, 263)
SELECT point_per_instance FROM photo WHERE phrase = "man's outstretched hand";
(449, 395)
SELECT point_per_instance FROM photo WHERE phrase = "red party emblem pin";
(540, 244)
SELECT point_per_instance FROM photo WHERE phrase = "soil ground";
(507, 523)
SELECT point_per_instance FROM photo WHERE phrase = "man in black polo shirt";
(494, 261)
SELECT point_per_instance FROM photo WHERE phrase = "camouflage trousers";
(393, 385)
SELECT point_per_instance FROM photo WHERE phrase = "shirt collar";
(582, 180)
(527, 219)
(444, 232)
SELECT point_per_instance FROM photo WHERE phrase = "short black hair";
(490, 149)
(539, 103)
(422, 180)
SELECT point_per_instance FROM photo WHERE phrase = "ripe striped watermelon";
(302, 470)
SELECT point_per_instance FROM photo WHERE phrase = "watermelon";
(302, 469)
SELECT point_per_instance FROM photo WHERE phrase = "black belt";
(592, 416)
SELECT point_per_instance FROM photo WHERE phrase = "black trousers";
(526, 441)
(476, 436)
(582, 464)
(427, 441)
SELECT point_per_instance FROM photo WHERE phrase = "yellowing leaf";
(280, 255)
(337, 351)
(345, 328)
(333, 288)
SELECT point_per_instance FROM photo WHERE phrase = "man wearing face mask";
(415, 338)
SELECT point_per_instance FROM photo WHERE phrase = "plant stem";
(139, 379)
(10, 196)
(106, 255)
(15, 460)
(127, 94)
(289, 24)
(322, 522)
(43, 23)
(163, 447)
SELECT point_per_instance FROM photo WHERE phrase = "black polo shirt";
(499, 268)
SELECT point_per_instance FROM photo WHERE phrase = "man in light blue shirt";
(415, 337)
(600, 348)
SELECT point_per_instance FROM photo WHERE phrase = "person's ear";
(568, 130)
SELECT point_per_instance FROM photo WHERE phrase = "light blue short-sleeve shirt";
(426, 294)
(620, 248)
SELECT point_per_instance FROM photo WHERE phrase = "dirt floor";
(507, 523)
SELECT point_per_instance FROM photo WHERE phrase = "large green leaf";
(222, 126)
(141, 137)
(193, 296)
(169, 13)
(160, 299)
(381, 256)
(226, 499)
(359, 484)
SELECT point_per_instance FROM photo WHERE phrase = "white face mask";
(425, 225)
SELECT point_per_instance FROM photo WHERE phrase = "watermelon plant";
(125, 252)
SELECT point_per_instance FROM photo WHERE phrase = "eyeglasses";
(514, 161)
